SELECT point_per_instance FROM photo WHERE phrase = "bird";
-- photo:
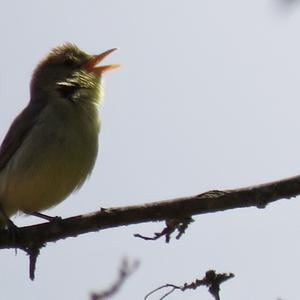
(51, 147)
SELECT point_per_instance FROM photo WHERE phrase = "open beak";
(91, 64)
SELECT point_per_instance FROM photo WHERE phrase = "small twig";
(180, 224)
(32, 261)
(124, 273)
(33, 252)
(212, 280)
(174, 287)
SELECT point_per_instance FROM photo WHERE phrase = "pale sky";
(208, 97)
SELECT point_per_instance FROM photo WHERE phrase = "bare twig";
(180, 224)
(212, 280)
(125, 271)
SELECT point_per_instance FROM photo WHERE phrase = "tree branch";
(175, 212)
(179, 208)
(212, 201)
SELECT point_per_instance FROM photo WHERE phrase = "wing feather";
(18, 131)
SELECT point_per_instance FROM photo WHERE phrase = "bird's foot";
(12, 228)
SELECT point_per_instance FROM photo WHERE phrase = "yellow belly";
(49, 165)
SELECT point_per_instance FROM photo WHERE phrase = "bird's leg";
(42, 216)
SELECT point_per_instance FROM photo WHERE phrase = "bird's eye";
(70, 62)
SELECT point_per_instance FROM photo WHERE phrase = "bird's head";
(69, 73)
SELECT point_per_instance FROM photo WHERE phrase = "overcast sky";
(208, 97)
